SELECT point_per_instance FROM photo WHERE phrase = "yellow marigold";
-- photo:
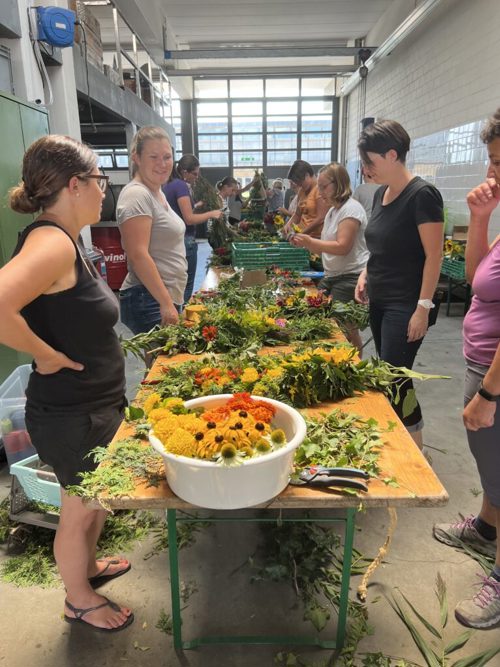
(181, 442)
(223, 380)
(159, 413)
(151, 402)
(259, 389)
(165, 427)
(249, 375)
(270, 321)
(192, 423)
(274, 372)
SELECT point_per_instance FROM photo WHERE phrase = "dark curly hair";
(491, 130)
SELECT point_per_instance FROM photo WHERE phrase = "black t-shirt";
(79, 322)
(397, 255)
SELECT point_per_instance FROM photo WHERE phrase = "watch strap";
(486, 394)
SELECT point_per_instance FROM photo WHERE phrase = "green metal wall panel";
(20, 125)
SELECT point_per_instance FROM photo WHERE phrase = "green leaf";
(318, 617)
(457, 643)
(132, 413)
(409, 403)
(431, 658)
(477, 660)
(424, 621)
(443, 602)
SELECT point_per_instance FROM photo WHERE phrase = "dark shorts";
(484, 442)
(63, 439)
(340, 288)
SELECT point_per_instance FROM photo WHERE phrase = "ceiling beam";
(269, 72)
(253, 52)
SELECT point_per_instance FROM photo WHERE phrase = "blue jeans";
(389, 325)
(139, 311)
(192, 262)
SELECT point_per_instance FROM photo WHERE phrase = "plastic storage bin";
(15, 438)
(264, 255)
(38, 481)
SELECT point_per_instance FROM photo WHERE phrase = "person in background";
(152, 236)
(290, 202)
(179, 194)
(274, 196)
(482, 389)
(230, 187)
(365, 192)
(342, 244)
(405, 239)
(311, 208)
(57, 309)
(235, 204)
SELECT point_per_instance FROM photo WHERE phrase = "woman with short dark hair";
(311, 208)
(405, 240)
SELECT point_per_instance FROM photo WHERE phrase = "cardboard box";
(253, 277)
(459, 233)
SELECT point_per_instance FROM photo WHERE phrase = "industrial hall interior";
(249, 341)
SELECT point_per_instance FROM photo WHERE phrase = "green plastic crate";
(453, 268)
(266, 254)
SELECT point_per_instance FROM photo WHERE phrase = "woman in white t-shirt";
(342, 243)
(152, 236)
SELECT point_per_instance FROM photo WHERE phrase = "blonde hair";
(48, 165)
(146, 133)
(337, 174)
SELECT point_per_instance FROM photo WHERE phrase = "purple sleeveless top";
(482, 322)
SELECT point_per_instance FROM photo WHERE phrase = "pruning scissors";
(330, 477)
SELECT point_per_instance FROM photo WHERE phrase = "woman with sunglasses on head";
(56, 308)
(179, 194)
(342, 244)
(152, 236)
(405, 240)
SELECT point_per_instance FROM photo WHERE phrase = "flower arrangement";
(454, 249)
(229, 434)
(301, 378)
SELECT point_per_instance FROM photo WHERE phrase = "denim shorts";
(64, 438)
(139, 311)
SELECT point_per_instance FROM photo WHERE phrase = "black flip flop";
(103, 578)
(80, 613)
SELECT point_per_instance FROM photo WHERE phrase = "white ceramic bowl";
(214, 486)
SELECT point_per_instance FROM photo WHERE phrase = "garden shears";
(321, 476)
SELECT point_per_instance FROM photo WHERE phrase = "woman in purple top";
(482, 389)
(180, 197)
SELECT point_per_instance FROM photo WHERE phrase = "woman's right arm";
(47, 257)
(191, 218)
(482, 201)
(136, 235)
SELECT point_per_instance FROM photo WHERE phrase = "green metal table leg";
(174, 577)
(346, 576)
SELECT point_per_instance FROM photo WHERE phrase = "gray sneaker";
(464, 531)
(482, 610)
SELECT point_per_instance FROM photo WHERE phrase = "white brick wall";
(445, 75)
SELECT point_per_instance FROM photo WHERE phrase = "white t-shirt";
(166, 245)
(355, 261)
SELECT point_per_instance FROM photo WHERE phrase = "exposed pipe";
(401, 33)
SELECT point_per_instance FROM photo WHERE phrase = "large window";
(249, 123)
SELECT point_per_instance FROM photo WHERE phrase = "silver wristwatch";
(426, 303)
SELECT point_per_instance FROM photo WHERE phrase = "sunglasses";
(102, 181)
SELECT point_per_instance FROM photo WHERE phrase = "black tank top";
(79, 322)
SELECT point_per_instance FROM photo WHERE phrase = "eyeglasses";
(102, 181)
(323, 187)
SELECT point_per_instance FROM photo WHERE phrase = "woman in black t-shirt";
(405, 239)
(59, 311)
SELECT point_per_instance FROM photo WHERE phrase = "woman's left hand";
(418, 324)
(301, 241)
(479, 413)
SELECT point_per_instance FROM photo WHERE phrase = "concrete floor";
(33, 633)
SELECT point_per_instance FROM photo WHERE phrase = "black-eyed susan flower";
(278, 437)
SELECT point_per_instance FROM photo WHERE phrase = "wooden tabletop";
(400, 459)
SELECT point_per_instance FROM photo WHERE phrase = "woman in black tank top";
(58, 310)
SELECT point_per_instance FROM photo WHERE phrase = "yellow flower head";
(270, 321)
(181, 442)
(249, 375)
(164, 428)
(151, 402)
(274, 373)
(173, 402)
(157, 414)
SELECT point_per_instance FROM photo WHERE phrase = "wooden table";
(400, 458)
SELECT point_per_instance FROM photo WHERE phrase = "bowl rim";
(255, 460)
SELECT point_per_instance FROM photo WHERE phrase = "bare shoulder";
(50, 242)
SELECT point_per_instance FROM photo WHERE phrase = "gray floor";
(32, 632)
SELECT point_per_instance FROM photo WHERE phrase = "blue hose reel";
(56, 26)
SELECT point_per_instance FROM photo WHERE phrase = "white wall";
(441, 83)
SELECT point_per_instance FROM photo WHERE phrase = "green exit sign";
(247, 158)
